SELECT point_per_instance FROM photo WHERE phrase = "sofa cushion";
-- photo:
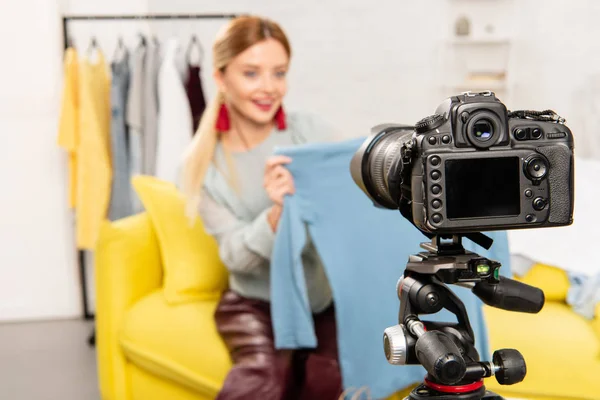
(553, 281)
(176, 342)
(560, 350)
(192, 267)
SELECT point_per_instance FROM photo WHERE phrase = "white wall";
(37, 258)
(356, 63)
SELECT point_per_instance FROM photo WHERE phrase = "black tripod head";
(447, 350)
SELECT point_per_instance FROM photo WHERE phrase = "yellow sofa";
(149, 348)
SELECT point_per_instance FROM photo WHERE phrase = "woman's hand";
(273, 216)
(278, 181)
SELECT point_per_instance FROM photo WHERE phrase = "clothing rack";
(131, 17)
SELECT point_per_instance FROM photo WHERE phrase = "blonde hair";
(238, 35)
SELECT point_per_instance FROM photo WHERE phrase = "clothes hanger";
(142, 39)
(93, 46)
(120, 50)
(194, 41)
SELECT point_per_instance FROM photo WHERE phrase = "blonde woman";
(232, 180)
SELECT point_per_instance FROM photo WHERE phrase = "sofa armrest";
(128, 267)
(596, 323)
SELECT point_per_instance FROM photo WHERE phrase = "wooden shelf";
(477, 86)
(479, 41)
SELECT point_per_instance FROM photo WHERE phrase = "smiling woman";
(232, 180)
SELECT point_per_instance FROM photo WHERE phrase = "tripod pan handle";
(510, 295)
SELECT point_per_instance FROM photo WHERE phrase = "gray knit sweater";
(238, 221)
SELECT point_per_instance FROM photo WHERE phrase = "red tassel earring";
(280, 119)
(223, 124)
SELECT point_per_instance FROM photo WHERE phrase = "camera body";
(472, 167)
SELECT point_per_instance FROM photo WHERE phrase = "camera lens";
(483, 130)
(375, 163)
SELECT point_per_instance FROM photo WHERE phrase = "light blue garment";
(120, 195)
(364, 250)
(584, 293)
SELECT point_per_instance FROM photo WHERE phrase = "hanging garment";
(135, 119)
(94, 172)
(68, 131)
(174, 117)
(364, 250)
(150, 108)
(120, 198)
(195, 94)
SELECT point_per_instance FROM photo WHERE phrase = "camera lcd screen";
(482, 187)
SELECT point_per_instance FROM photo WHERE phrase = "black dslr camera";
(471, 167)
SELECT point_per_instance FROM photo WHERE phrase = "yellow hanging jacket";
(87, 138)
(68, 130)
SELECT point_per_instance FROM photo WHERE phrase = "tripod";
(447, 350)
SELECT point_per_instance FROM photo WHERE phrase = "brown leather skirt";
(262, 372)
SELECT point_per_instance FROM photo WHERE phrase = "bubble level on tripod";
(483, 269)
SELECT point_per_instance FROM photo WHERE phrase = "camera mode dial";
(429, 123)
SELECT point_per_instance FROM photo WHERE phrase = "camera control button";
(536, 133)
(437, 204)
(539, 203)
(446, 139)
(435, 160)
(536, 168)
(436, 189)
(528, 193)
(432, 140)
(436, 218)
(520, 134)
(435, 175)
(530, 218)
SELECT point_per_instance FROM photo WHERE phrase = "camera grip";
(441, 357)
(560, 180)
(511, 295)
